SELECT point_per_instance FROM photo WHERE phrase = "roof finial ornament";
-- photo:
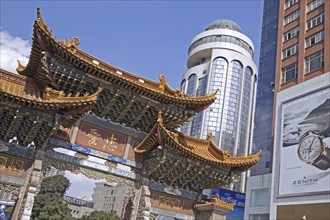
(71, 45)
(163, 83)
(162, 79)
(209, 136)
(41, 23)
(38, 13)
(160, 117)
(216, 196)
(20, 67)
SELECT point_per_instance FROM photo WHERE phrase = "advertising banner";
(305, 152)
(319, 211)
(232, 197)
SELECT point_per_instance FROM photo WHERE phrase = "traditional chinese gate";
(67, 111)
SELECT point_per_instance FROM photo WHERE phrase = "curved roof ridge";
(68, 49)
(16, 86)
(216, 202)
(203, 150)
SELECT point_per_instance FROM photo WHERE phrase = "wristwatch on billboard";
(314, 151)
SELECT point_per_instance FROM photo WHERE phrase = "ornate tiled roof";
(216, 202)
(201, 150)
(67, 50)
(21, 89)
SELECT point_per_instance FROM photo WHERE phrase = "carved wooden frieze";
(171, 203)
(13, 166)
(64, 133)
(132, 155)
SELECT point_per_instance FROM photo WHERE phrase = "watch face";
(310, 148)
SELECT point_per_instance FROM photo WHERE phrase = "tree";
(48, 204)
(101, 215)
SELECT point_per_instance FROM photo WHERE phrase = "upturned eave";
(204, 151)
(43, 40)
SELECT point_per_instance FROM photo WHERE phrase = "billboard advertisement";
(305, 152)
(232, 197)
(319, 211)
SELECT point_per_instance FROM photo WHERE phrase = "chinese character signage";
(305, 152)
(101, 139)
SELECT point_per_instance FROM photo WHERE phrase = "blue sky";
(146, 38)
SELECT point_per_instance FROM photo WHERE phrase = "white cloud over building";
(12, 49)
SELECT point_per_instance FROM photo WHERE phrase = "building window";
(314, 4)
(258, 216)
(290, 51)
(245, 104)
(221, 38)
(314, 62)
(314, 39)
(259, 197)
(191, 85)
(289, 72)
(183, 85)
(289, 3)
(196, 125)
(315, 21)
(231, 106)
(291, 34)
(291, 17)
(213, 119)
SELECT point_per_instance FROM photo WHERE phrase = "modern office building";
(258, 187)
(110, 197)
(300, 175)
(221, 58)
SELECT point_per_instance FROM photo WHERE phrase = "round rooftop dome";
(224, 24)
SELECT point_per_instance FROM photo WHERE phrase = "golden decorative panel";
(171, 203)
(16, 167)
(13, 166)
(64, 133)
(3, 163)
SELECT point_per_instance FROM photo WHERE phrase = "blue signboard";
(232, 197)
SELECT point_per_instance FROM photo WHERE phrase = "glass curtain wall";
(191, 91)
(213, 115)
(231, 107)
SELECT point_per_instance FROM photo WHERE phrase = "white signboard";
(305, 152)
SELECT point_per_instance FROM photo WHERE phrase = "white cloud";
(81, 185)
(13, 49)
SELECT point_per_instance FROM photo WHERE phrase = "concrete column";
(33, 186)
(142, 210)
(211, 213)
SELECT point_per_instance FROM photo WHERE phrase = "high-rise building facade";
(300, 175)
(221, 58)
(303, 44)
(262, 133)
(258, 187)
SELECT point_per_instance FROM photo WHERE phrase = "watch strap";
(323, 161)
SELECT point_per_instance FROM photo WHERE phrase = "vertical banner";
(305, 152)
(232, 197)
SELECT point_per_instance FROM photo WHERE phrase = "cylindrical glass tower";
(221, 57)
